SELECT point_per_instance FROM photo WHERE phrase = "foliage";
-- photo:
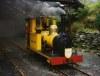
(88, 2)
(88, 17)
(77, 26)
(97, 21)
(81, 13)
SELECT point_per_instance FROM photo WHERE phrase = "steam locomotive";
(51, 41)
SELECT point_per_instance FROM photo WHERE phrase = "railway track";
(54, 69)
(22, 73)
(61, 73)
(81, 71)
(8, 62)
(73, 71)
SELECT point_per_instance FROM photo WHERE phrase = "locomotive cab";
(44, 39)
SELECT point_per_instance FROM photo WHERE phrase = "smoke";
(48, 10)
(30, 8)
(39, 8)
(14, 12)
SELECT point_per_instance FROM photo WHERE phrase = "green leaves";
(81, 13)
(97, 21)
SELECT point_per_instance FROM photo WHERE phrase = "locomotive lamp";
(68, 52)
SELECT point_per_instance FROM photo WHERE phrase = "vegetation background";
(87, 19)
